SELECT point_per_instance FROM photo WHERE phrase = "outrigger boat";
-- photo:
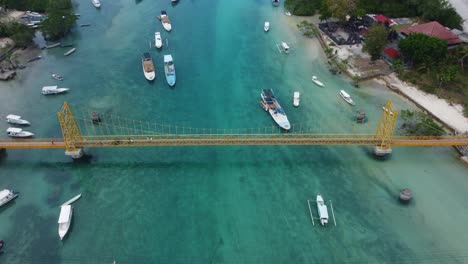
(271, 105)
(72, 200)
(157, 40)
(322, 210)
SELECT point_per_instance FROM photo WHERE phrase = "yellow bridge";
(121, 132)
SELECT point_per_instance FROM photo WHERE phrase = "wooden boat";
(52, 46)
(69, 52)
(72, 200)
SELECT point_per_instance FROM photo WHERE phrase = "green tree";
(421, 48)
(60, 19)
(20, 33)
(302, 7)
(446, 73)
(375, 41)
(416, 123)
(324, 11)
(342, 8)
(397, 66)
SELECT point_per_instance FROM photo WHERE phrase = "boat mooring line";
(331, 206)
(310, 211)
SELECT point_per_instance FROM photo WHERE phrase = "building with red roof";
(392, 53)
(433, 29)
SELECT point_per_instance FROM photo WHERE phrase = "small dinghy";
(69, 52)
(57, 77)
(157, 40)
(72, 200)
(296, 99)
(266, 27)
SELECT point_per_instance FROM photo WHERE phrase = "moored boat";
(275, 2)
(52, 45)
(96, 3)
(275, 109)
(157, 40)
(296, 99)
(266, 27)
(69, 52)
(16, 119)
(322, 210)
(285, 47)
(347, 97)
(148, 66)
(64, 220)
(165, 21)
(316, 81)
(169, 70)
(18, 133)
(6, 196)
(47, 90)
(72, 200)
(287, 13)
(57, 77)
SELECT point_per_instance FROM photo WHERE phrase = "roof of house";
(434, 29)
(392, 53)
(381, 18)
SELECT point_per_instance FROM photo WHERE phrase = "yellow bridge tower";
(385, 130)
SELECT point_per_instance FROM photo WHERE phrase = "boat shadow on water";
(8, 205)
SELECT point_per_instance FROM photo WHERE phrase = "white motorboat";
(166, 23)
(6, 196)
(96, 3)
(157, 40)
(18, 133)
(266, 27)
(72, 200)
(347, 97)
(169, 70)
(275, 109)
(287, 13)
(47, 90)
(148, 66)
(16, 119)
(64, 220)
(322, 210)
(317, 82)
(57, 77)
(69, 52)
(296, 99)
(285, 47)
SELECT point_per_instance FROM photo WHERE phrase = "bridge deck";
(232, 139)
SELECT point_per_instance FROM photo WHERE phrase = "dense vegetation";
(431, 10)
(19, 33)
(421, 124)
(60, 18)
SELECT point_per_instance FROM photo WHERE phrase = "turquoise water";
(217, 204)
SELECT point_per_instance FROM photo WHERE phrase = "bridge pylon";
(70, 131)
(385, 130)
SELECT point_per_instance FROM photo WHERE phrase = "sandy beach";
(450, 114)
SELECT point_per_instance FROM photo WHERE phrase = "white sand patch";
(450, 114)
